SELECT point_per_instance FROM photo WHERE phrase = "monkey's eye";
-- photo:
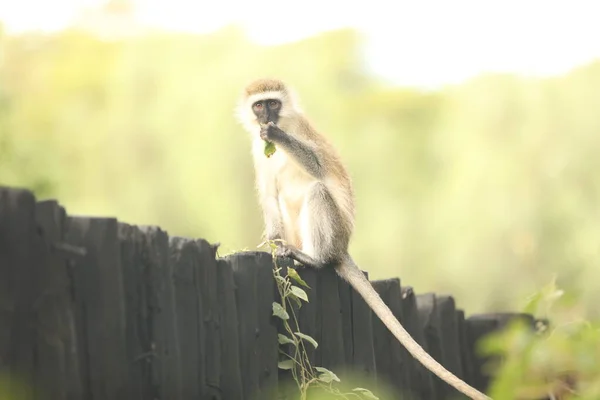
(273, 104)
(257, 106)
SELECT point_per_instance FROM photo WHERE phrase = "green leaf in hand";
(269, 148)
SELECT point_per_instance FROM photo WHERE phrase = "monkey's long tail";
(350, 272)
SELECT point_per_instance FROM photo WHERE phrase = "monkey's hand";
(270, 132)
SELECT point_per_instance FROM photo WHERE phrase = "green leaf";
(307, 338)
(285, 364)
(366, 393)
(280, 279)
(292, 273)
(284, 339)
(296, 299)
(296, 291)
(278, 311)
(269, 148)
(326, 375)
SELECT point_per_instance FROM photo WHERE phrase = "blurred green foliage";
(483, 190)
(561, 358)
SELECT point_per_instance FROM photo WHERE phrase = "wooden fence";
(91, 308)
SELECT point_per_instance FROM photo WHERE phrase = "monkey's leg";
(272, 218)
(324, 240)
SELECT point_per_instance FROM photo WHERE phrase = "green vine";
(305, 375)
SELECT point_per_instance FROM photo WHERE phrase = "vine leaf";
(285, 364)
(284, 339)
(278, 311)
(292, 273)
(307, 338)
(326, 375)
(365, 392)
(296, 299)
(280, 279)
(296, 291)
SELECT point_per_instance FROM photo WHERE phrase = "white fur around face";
(246, 116)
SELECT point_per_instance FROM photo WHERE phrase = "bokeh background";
(471, 129)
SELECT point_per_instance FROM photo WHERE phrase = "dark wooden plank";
(426, 306)
(445, 322)
(20, 258)
(330, 353)
(100, 315)
(422, 380)
(257, 328)
(465, 356)
(58, 374)
(288, 389)
(345, 295)
(206, 282)
(231, 377)
(477, 327)
(244, 275)
(363, 352)
(155, 253)
(390, 356)
(308, 316)
(475, 330)
(309, 323)
(184, 261)
(267, 334)
(141, 356)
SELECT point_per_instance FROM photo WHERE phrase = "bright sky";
(424, 43)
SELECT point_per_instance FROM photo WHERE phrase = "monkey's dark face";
(267, 110)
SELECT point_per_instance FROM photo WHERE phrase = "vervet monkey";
(307, 200)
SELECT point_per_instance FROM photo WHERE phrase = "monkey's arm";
(302, 152)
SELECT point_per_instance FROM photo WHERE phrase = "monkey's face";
(267, 110)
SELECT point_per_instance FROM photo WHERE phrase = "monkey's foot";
(287, 250)
(283, 251)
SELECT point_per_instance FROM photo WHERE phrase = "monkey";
(307, 201)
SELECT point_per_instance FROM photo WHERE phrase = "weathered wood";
(330, 353)
(390, 356)
(58, 374)
(138, 314)
(185, 262)
(100, 315)
(267, 325)
(206, 281)
(308, 315)
(345, 296)
(477, 327)
(363, 360)
(20, 248)
(467, 367)
(90, 308)
(155, 252)
(288, 389)
(445, 322)
(422, 385)
(257, 328)
(231, 376)
(426, 305)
